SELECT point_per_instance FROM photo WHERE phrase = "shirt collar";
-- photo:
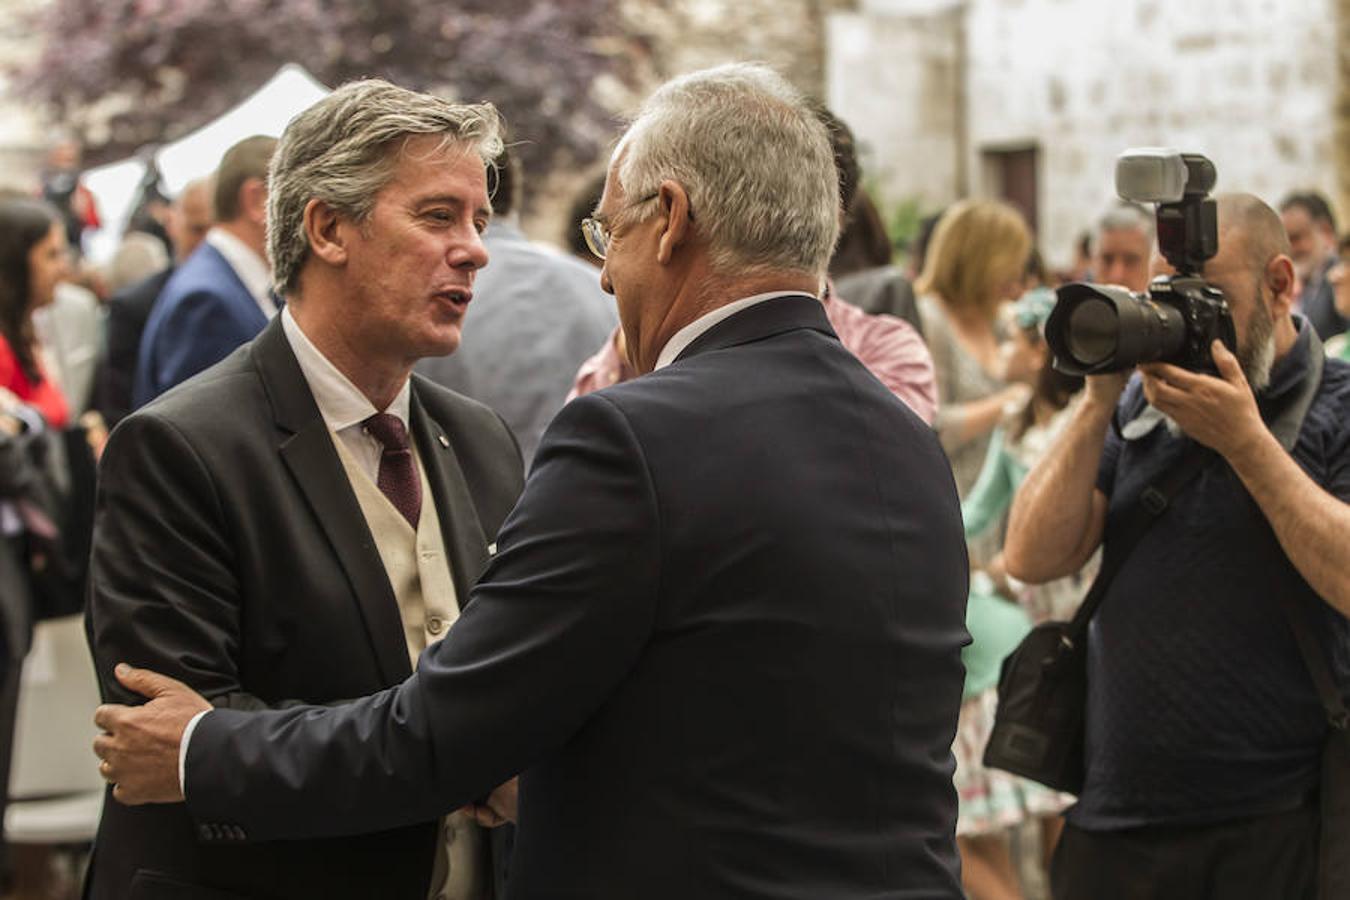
(340, 402)
(695, 329)
(248, 265)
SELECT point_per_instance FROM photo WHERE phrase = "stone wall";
(22, 139)
(1251, 83)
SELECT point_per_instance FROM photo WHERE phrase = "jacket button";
(435, 625)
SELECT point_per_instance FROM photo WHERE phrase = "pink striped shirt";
(890, 348)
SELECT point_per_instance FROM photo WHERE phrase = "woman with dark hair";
(34, 256)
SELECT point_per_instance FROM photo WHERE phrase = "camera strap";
(1153, 502)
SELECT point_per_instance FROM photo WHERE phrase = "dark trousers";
(1249, 859)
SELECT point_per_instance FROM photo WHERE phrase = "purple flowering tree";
(125, 73)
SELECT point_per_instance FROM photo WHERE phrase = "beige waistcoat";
(419, 573)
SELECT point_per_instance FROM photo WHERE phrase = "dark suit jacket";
(203, 313)
(231, 553)
(721, 639)
(128, 311)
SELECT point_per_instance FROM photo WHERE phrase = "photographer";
(1203, 727)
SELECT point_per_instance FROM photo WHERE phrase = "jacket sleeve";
(198, 332)
(558, 619)
(162, 591)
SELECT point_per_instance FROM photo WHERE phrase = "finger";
(105, 769)
(1227, 364)
(1166, 397)
(108, 716)
(103, 746)
(485, 817)
(147, 683)
(1176, 375)
(123, 796)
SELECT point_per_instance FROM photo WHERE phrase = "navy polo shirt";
(1200, 708)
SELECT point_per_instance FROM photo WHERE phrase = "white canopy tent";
(290, 91)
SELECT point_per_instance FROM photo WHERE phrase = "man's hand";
(499, 809)
(1218, 412)
(1105, 390)
(139, 747)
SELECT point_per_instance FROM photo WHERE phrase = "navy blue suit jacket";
(202, 315)
(720, 639)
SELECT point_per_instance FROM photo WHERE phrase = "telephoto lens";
(1103, 328)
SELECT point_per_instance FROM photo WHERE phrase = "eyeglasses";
(597, 234)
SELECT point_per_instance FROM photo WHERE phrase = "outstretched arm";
(558, 619)
(1058, 515)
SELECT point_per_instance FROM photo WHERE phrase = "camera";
(1096, 328)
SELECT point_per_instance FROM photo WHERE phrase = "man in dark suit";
(721, 636)
(262, 535)
(129, 309)
(220, 297)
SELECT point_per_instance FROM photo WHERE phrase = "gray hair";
(1125, 216)
(755, 160)
(343, 151)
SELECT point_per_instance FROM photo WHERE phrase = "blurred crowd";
(953, 327)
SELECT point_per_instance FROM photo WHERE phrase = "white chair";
(56, 794)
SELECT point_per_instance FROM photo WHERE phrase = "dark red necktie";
(398, 473)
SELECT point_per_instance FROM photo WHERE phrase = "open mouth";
(456, 297)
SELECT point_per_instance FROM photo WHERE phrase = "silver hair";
(755, 160)
(344, 149)
(1125, 216)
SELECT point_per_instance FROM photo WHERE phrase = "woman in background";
(974, 267)
(1000, 612)
(34, 257)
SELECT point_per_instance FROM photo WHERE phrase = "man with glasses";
(720, 639)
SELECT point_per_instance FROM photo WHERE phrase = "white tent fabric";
(290, 91)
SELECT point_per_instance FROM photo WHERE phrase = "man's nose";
(469, 254)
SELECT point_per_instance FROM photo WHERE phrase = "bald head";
(1246, 220)
(191, 217)
(1255, 273)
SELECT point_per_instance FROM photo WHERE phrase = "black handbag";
(58, 566)
(1042, 687)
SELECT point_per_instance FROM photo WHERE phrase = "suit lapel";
(306, 448)
(463, 533)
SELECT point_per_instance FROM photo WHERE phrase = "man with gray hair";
(296, 524)
(1122, 247)
(721, 637)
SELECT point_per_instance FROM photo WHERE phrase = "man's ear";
(322, 229)
(674, 206)
(1280, 279)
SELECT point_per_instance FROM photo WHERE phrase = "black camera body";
(1096, 329)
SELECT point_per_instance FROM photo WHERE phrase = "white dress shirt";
(344, 409)
(248, 265)
(695, 329)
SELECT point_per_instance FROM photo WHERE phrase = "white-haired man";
(296, 524)
(720, 639)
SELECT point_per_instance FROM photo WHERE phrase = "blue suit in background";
(204, 314)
